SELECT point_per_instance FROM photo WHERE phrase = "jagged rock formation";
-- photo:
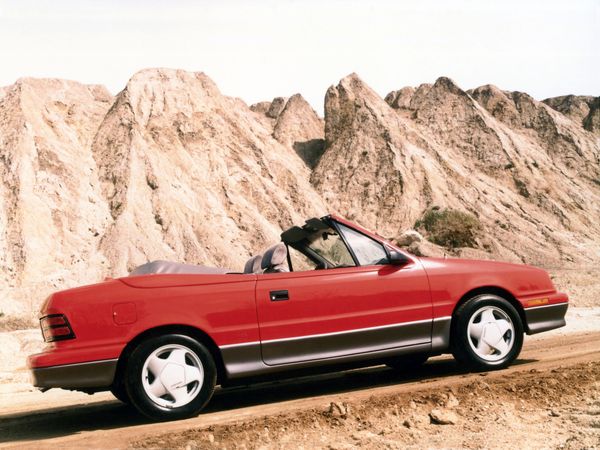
(93, 185)
(299, 127)
(168, 169)
(580, 108)
(190, 174)
(52, 212)
(295, 124)
(529, 173)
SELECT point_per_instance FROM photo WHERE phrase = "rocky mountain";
(527, 172)
(295, 124)
(581, 109)
(52, 211)
(170, 168)
(192, 175)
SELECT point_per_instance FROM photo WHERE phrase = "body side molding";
(422, 336)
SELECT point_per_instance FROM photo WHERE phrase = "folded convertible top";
(174, 267)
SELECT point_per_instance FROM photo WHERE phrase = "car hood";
(520, 278)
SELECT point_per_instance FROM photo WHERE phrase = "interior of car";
(319, 244)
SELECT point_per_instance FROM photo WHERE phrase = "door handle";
(277, 296)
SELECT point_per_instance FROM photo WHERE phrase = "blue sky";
(260, 49)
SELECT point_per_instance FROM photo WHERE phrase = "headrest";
(253, 264)
(275, 256)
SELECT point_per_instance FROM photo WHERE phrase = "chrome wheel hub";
(172, 376)
(491, 334)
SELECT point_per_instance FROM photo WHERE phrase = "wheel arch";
(495, 290)
(187, 330)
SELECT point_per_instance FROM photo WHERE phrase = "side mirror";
(396, 258)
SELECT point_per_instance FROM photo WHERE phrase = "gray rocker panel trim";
(95, 374)
(244, 360)
(544, 318)
(334, 345)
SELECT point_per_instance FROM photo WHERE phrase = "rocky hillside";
(93, 185)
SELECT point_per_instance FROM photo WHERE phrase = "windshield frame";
(301, 238)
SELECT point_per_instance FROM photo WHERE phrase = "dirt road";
(64, 419)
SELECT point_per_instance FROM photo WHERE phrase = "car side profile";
(330, 295)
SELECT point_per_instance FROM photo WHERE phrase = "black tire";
(142, 401)
(120, 393)
(462, 343)
(408, 362)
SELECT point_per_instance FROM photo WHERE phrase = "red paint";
(325, 301)
(234, 308)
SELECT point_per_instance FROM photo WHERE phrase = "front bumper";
(544, 318)
(88, 375)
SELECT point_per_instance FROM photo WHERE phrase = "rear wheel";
(170, 377)
(408, 362)
(487, 333)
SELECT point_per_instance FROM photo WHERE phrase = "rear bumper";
(88, 375)
(544, 318)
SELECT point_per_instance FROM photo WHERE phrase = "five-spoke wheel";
(491, 333)
(170, 377)
(487, 332)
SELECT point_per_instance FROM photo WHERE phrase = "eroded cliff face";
(582, 109)
(294, 124)
(168, 169)
(94, 185)
(527, 172)
(52, 211)
(192, 175)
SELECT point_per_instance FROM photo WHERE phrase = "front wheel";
(170, 377)
(487, 333)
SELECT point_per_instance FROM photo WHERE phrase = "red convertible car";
(329, 295)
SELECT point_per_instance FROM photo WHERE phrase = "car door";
(320, 314)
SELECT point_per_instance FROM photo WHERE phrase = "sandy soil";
(549, 398)
(537, 409)
(582, 284)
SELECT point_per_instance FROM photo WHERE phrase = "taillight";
(56, 327)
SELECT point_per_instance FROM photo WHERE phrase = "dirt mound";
(484, 413)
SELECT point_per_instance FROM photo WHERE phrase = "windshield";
(329, 245)
(368, 251)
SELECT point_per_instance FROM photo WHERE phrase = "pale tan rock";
(299, 127)
(261, 107)
(580, 108)
(276, 107)
(401, 98)
(443, 417)
(190, 175)
(93, 185)
(408, 237)
(592, 121)
(513, 166)
(52, 212)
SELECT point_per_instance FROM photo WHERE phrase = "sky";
(258, 50)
